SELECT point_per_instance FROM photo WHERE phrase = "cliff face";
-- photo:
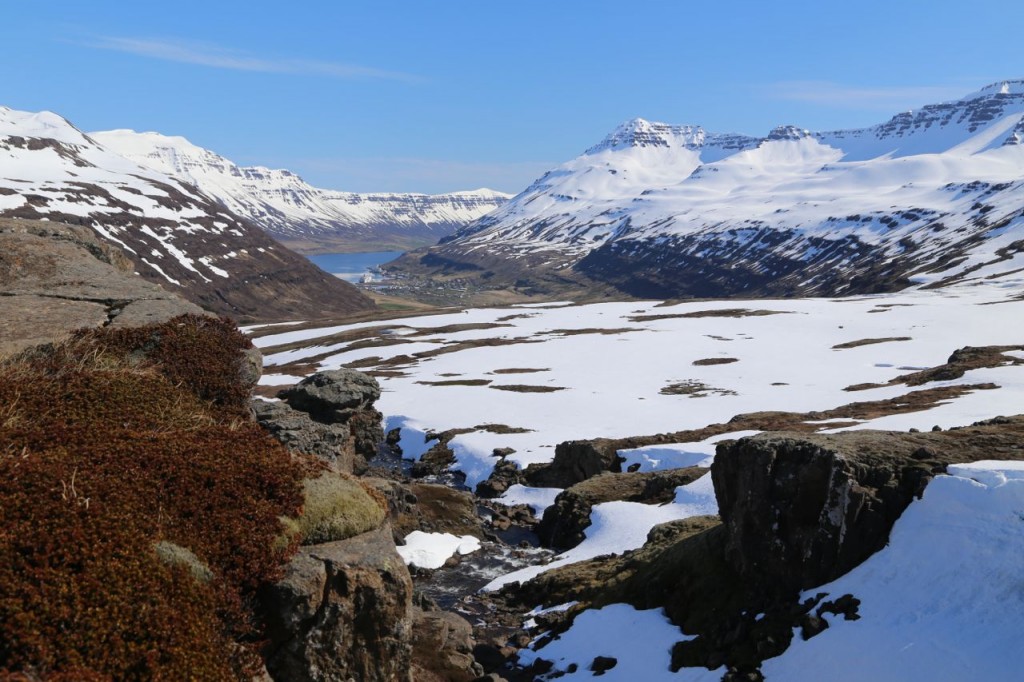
(802, 510)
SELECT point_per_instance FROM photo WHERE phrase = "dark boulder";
(565, 522)
(333, 396)
(575, 461)
(298, 432)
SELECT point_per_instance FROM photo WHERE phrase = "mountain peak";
(788, 133)
(1006, 87)
(42, 124)
(639, 132)
(152, 136)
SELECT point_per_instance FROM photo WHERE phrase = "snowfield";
(606, 365)
(942, 602)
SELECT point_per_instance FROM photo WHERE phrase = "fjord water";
(351, 266)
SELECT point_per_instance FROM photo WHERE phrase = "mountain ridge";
(659, 210)
(175, 235)
(306, 218)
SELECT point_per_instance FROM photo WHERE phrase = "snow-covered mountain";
(662, 210)
(304, 217)
(175, 234)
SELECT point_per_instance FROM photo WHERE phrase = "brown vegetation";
(526, 388)
(714, 361)
(110, 444)
(724, 312)
(868, 342)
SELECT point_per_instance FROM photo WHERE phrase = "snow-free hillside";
(661, 211)
(176, 235)
(306, 217)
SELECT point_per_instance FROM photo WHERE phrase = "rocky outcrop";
(56, 278)
(342, 611)
(575, 461)
(565, 521)
(330, 415)
(333, 396)
(801, 509)
(797, 511)
(428, 507)
(443, 647)
(299, 432)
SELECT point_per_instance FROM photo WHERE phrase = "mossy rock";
(335, 508)
(183, 557)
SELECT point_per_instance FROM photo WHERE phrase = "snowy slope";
(660, 210)
(942, 602)
(175, 234)
(292, 210)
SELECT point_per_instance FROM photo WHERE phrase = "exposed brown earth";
(592, 330)
(519, 370)
(694, 388)
(868, 342)
(456, 382)
(724, 312)
(403, 360)
(960, 362)
(714, 361)
(526, 388)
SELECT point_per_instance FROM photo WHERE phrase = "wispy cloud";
(218, 57)
(884, 98)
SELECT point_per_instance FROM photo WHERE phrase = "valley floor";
(528, 377)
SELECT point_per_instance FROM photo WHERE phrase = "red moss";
(101, 456)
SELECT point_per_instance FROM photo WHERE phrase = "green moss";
(335, 508)
(182, 557)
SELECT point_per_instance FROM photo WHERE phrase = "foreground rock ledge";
(342, 611)
(57, 278)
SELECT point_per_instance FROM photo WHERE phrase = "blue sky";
(444, 95)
